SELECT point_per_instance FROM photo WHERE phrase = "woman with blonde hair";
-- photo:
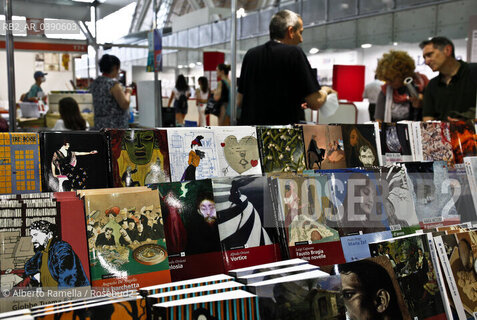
(396, 101)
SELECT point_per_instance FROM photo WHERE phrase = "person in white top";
(371, 92)
(71, 118)
(202, 96)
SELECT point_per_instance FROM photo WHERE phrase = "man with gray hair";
(276, 78)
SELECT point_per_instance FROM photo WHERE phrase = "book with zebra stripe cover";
(237, 304)
(247, 222)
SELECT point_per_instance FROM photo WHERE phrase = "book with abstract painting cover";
(457, 253)
(20, 168)
(395, 143)
(463, 140)
(434, 142)
(138, 157)
(236, 304)
(360, 145)
(415, 269)
(191, 229)
(281, 148)
(324, 147)
(432, 192)
(74, 160)
(247, 221)
(237, 150)
(33, 231)
(305, 204)
(307, 295)
(127, 246)
(192, 154)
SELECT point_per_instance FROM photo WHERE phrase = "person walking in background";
(71, 118)
(395, 101)
(202, 96)
(35, 92)
(180, 94)
(371, 92)
(222, 94)
(110, 101)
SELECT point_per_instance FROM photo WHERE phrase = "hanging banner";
(154, 57)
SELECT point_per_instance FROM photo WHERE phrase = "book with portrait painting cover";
(432, 191)
(247, 221)
(126, 241)
(237, 150)
(307, 295)
(304, 203)
(395, 143)
(74, 161)
(32, 229)
(457, 255)
(138, 157)
(324, 147)
(20, 169)
(361, 145)
(463, 140)
(192, 154)
(281, 148)
(191, 229)
(418, 272)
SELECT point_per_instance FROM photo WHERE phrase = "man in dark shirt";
(276, 78)
(106, 239)
(452, 94)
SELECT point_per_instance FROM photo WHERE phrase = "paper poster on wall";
(65, 62)
(52, 62)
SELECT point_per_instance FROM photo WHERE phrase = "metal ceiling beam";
(194, 4)
(76, 11)
(142, 14)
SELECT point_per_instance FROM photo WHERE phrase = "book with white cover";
(262, 276)
(237, 150)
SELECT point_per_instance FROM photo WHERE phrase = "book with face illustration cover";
(415, 267)
(246, 221)
(138, 157)
(304, 203)
(237, 150)
(463, 140)
(360, 146)
(127, 246)
(281, 148)
(432, 191)
(395, 143)
(42, 230)
(74, 161)
(192, 154)
(20, 170)
(191, 229)
(434, 140)
(324, 147)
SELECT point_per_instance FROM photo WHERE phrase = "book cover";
(281, 149)
(432, 193)
(191, 228)
(276, 273)
(127, 246)
(463, 140)
(371, 290)
(395, 143)
(310, 298)
(359, 142)
(460, 189)
(192, 154)
(324, 147)
(237, 150)
(185, 284)
(266, 267)
(20, 168)
(74, 161)
(247, 222)
(138, 157)
(305, 202)
(356, 247)
(460, 252)
(412, 262)
(436, 142)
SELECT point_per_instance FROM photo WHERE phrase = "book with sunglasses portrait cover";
(247, 221)
(74, 160)
(138, 157)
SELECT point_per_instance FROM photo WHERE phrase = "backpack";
(181, 102)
